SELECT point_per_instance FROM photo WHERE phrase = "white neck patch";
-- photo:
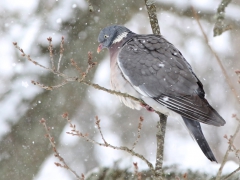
(120, 37)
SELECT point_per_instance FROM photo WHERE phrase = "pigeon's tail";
(195, 129)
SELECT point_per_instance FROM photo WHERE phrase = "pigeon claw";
(147, 107)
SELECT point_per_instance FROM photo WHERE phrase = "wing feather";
(157, 69)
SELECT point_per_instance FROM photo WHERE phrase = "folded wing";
(156, 69)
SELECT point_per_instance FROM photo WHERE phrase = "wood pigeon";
(152, 69)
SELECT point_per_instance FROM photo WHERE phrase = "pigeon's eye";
(106, 36)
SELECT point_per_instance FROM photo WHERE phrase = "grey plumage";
(151, 68)
(195, 129)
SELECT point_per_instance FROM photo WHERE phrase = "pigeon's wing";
(156, 69)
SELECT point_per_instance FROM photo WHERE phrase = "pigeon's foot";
(147, 107)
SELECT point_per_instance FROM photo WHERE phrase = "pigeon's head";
(110, 35)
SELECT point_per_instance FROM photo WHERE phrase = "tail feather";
(195, 129)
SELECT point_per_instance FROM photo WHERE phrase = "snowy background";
(23, 146)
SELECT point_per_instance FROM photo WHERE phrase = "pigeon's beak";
(99, 48)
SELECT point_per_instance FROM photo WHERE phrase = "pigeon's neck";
(114, 50)
(118, 43)
(120, 37)
(116, 47)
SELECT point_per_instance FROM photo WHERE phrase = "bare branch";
(96, 86)
(151, 8)
(217, 57)
(75, 132)
(100, 130)
(81, 79)
(74, 64)
(50, 48)
(231, 87)
(50, 87)
(36, 63)
(137, 174)
(63, 164)
(161, 126)
(138, 132)
(232, 173)
(230, 142)
(61, 53)
(29, 58)
(91, 64)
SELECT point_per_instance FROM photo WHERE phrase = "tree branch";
(160, 144)
(230, 142)
(151, 8)
(220, 27)
(232, 173)
(62, 163)
(217, 57)
(75, 132)
(161, 126)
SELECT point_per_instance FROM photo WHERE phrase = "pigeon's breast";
(119, 83)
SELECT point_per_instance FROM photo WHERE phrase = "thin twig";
(50, 49)
(61, 53)
(231, 87)
(74, 64)
(216, 56)
(233, 148)
(91, 64)
(36, 63)
(96, 86)
(75, 132)
(232, 173)
(228, 150)
(29, 58)
(138, 132)
(100, 130)
(56, 153)
(79, 79)
(65, 81)
(137, 174)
